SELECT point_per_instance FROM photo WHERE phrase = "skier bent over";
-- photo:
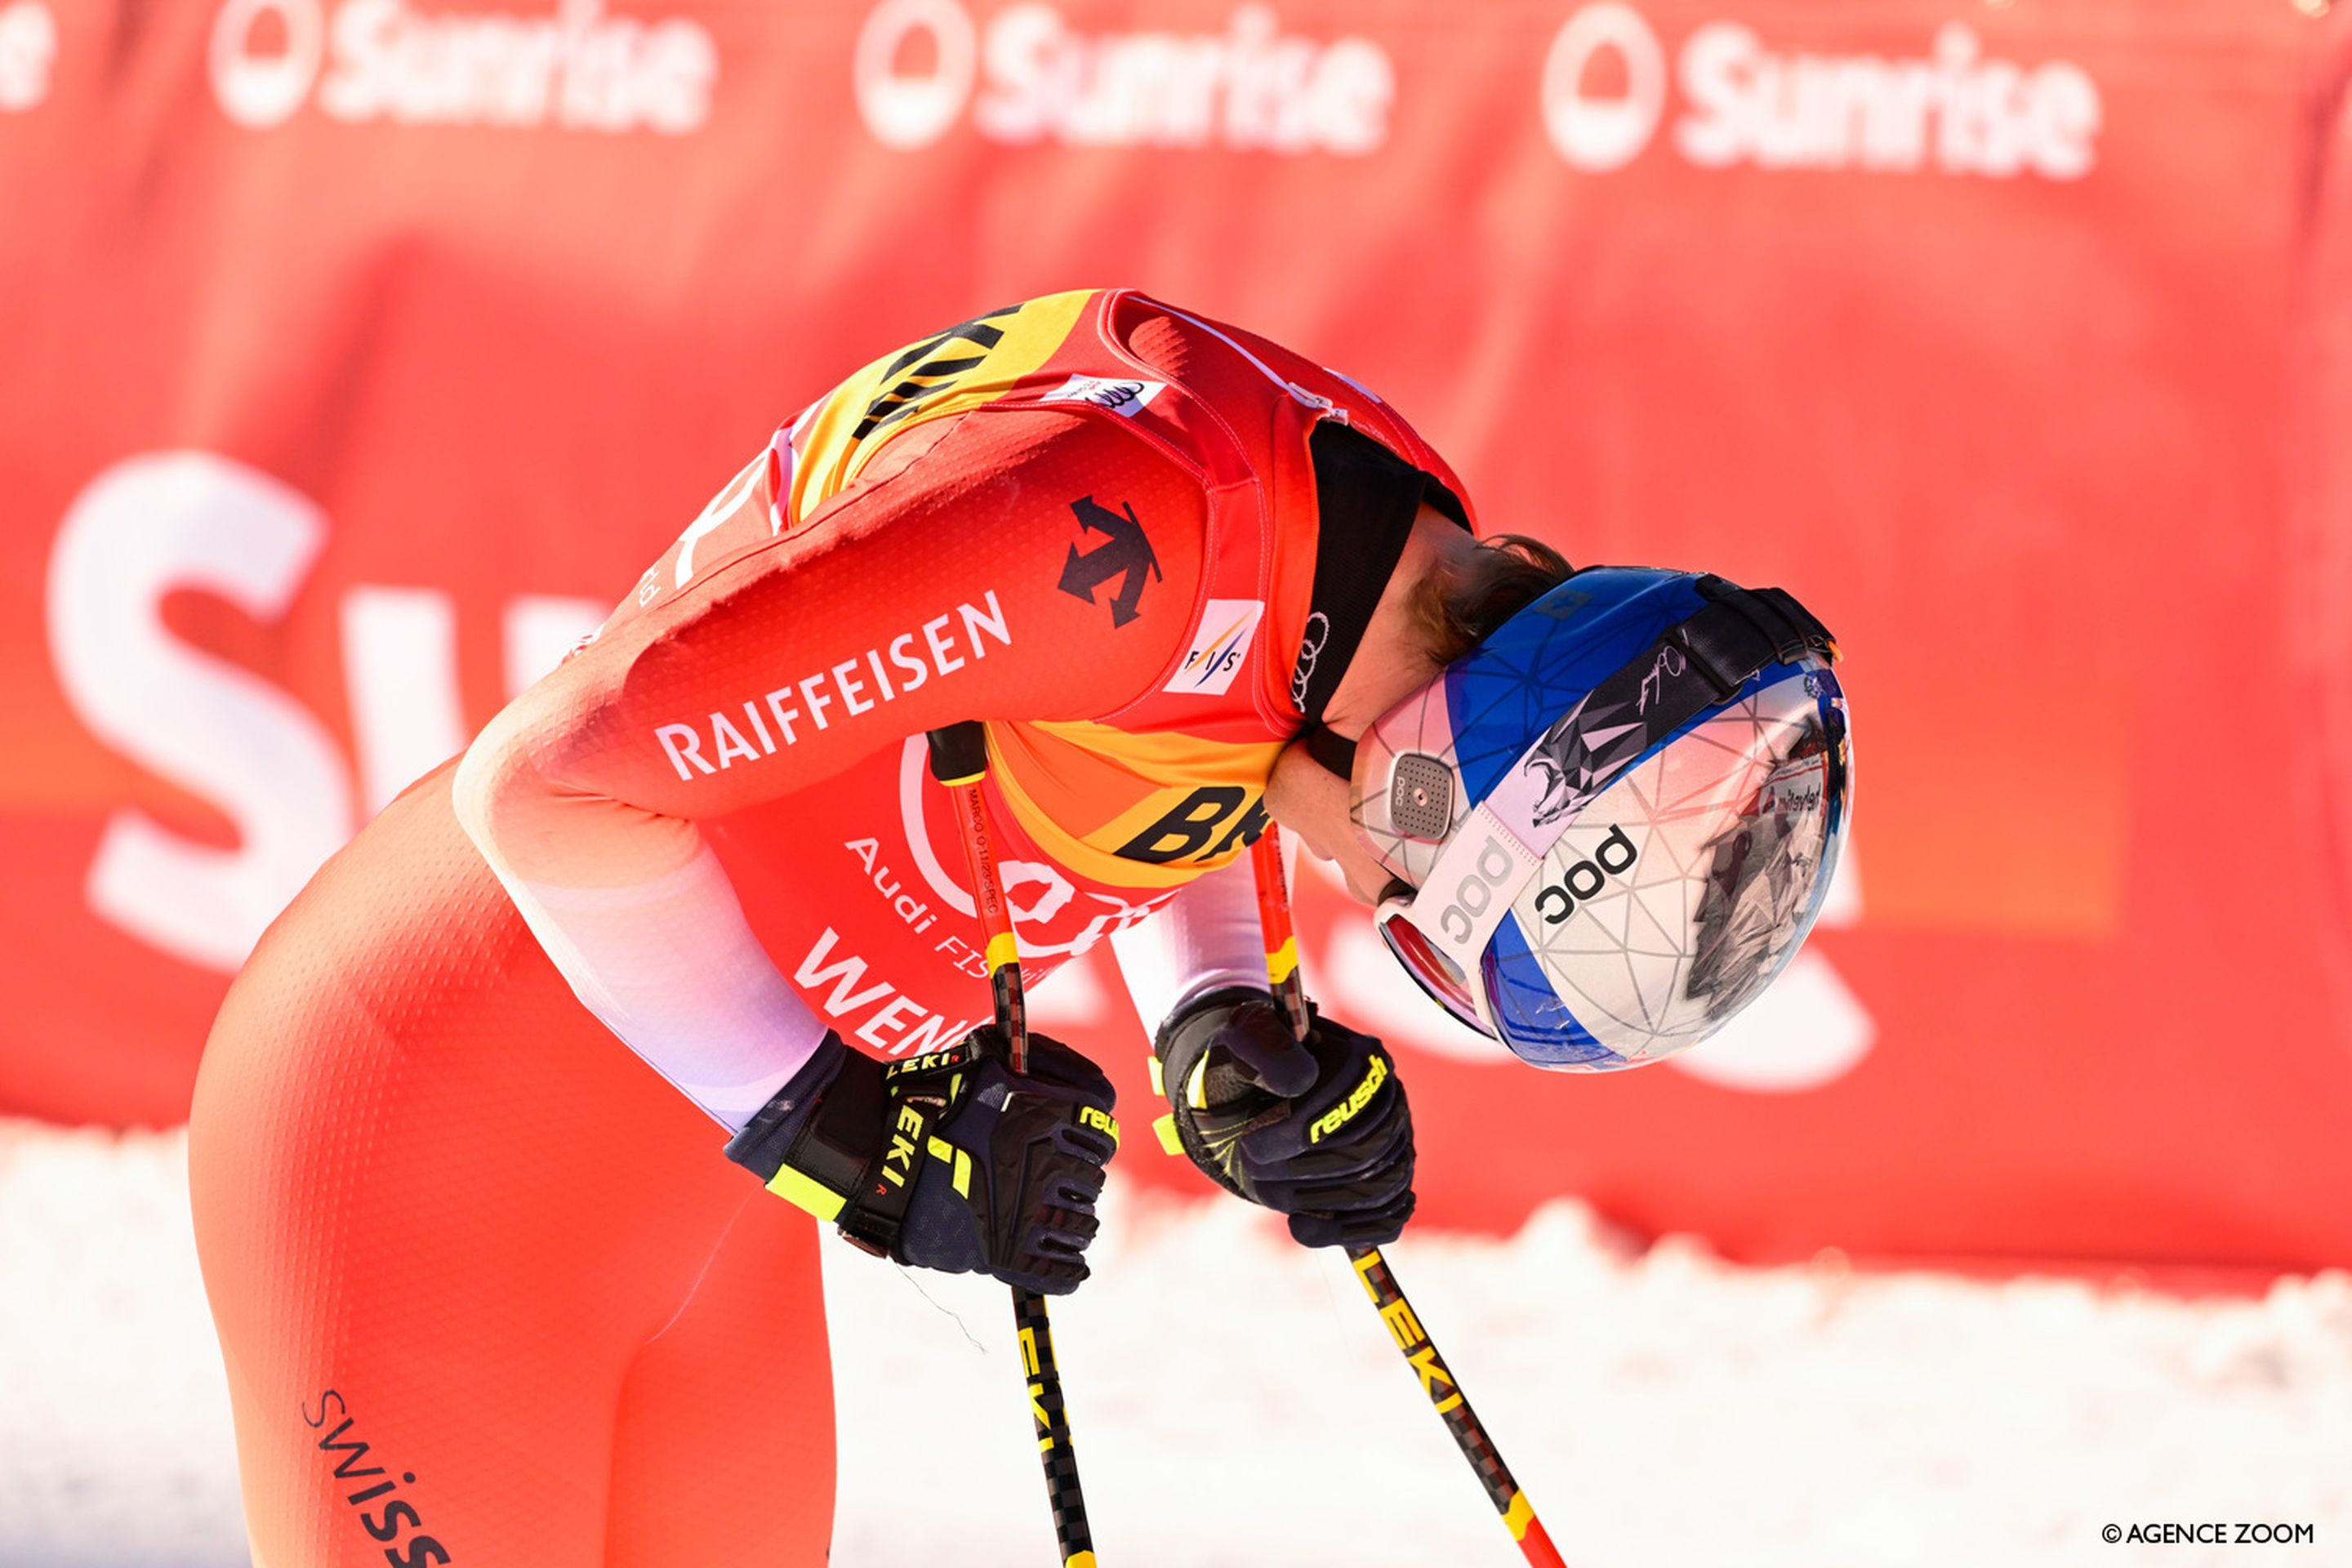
(484, 1289)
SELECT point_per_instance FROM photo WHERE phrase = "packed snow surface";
(1236, 1402)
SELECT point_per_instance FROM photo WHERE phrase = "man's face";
(1312, 806)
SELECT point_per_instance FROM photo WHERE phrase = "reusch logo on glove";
(1102, 1121)
(1615, 856)
(1340, 1115)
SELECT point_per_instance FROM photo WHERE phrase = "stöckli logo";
(1954, 110)
(1027, 75)
(572, 67)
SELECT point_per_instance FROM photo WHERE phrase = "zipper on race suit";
(1318, 402)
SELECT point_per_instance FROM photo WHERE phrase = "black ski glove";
(1316, 1129)
(946, 1160)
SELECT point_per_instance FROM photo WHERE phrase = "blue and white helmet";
(1613, 821)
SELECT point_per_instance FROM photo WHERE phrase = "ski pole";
(960, 762)
(1379, 1281)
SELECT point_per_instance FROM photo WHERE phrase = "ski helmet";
(1613, 821)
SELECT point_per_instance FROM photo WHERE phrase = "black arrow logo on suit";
(1124, 554)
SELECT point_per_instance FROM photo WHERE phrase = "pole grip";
(959, 751)
(959, 763)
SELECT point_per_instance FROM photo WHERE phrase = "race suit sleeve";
(1205, 938)
(761, 656)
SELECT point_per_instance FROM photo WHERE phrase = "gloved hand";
(946, 1160)
(1316, 1129)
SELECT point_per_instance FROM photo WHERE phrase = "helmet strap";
(1335, 753)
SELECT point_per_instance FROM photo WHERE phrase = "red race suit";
(486, 1288)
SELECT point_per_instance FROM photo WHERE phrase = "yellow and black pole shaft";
(960, 762)
(1380, 1283)
(1445, 1396)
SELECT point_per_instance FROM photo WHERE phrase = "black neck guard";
(1366, 498)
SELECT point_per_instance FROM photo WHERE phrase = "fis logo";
(1220, 643)
(1614, 857)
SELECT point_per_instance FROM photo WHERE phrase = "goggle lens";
(1430, 969)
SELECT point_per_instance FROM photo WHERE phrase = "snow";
(1236, 1401)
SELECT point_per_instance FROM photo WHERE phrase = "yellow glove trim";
(805, 1193)
(1169, 1141)
(1159, 1078)
(957, 1161)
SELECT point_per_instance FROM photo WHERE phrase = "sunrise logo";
(572, 69)
(1610, 83)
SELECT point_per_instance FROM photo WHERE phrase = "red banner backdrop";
(361, 351)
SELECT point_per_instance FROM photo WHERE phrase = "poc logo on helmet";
(1614, 857)
(1492, 868)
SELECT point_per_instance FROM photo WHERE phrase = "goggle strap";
(1739, 632)
(1460, 864)
(1743, 629)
